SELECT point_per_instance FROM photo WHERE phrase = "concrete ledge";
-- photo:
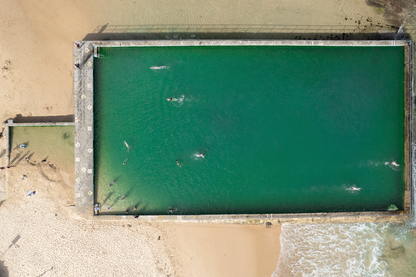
(193, 42)
(3, 195)
(84, 135)
(259, 219)
(38, 124)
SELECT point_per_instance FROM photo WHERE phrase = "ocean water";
(362, 249)
(283, 129)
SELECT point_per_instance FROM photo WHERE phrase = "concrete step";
(3, 195)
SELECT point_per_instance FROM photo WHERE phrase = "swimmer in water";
(159, 67)
(125, 162)
(178, 163)
(394, 163)
(354, 188)
(171, 99)
(128, 146)
(200, 155)
(112, 183)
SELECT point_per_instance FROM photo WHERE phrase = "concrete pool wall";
(84, 135)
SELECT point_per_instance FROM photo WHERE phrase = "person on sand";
(77, 65)
(76, 45)
(178, 163)
(23, 177)
(30, 193)
(27, 159)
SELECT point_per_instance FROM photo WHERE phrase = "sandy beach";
(223, 250)
(41, 235)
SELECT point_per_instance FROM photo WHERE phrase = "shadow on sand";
(36, 119)
(370, 31)
(4, 272)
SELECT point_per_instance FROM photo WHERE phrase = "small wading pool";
(284, 129)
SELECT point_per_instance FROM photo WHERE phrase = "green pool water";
(283, 129)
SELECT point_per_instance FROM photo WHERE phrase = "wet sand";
(36, 62)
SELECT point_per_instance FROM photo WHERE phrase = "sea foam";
(332, 250)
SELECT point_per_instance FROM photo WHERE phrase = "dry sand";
(223, 250)
(36, 62)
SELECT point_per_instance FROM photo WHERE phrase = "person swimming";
(394, 163)
(128, 146)
(200, 155)
(112, 183)
(159, 67)
(125, 161)
(354, 188)
(172, 99)
(178, 163)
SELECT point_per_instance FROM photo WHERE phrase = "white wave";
(332, 250)
(393, 165)
(179, 102)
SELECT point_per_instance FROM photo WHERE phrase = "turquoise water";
(283, 129)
